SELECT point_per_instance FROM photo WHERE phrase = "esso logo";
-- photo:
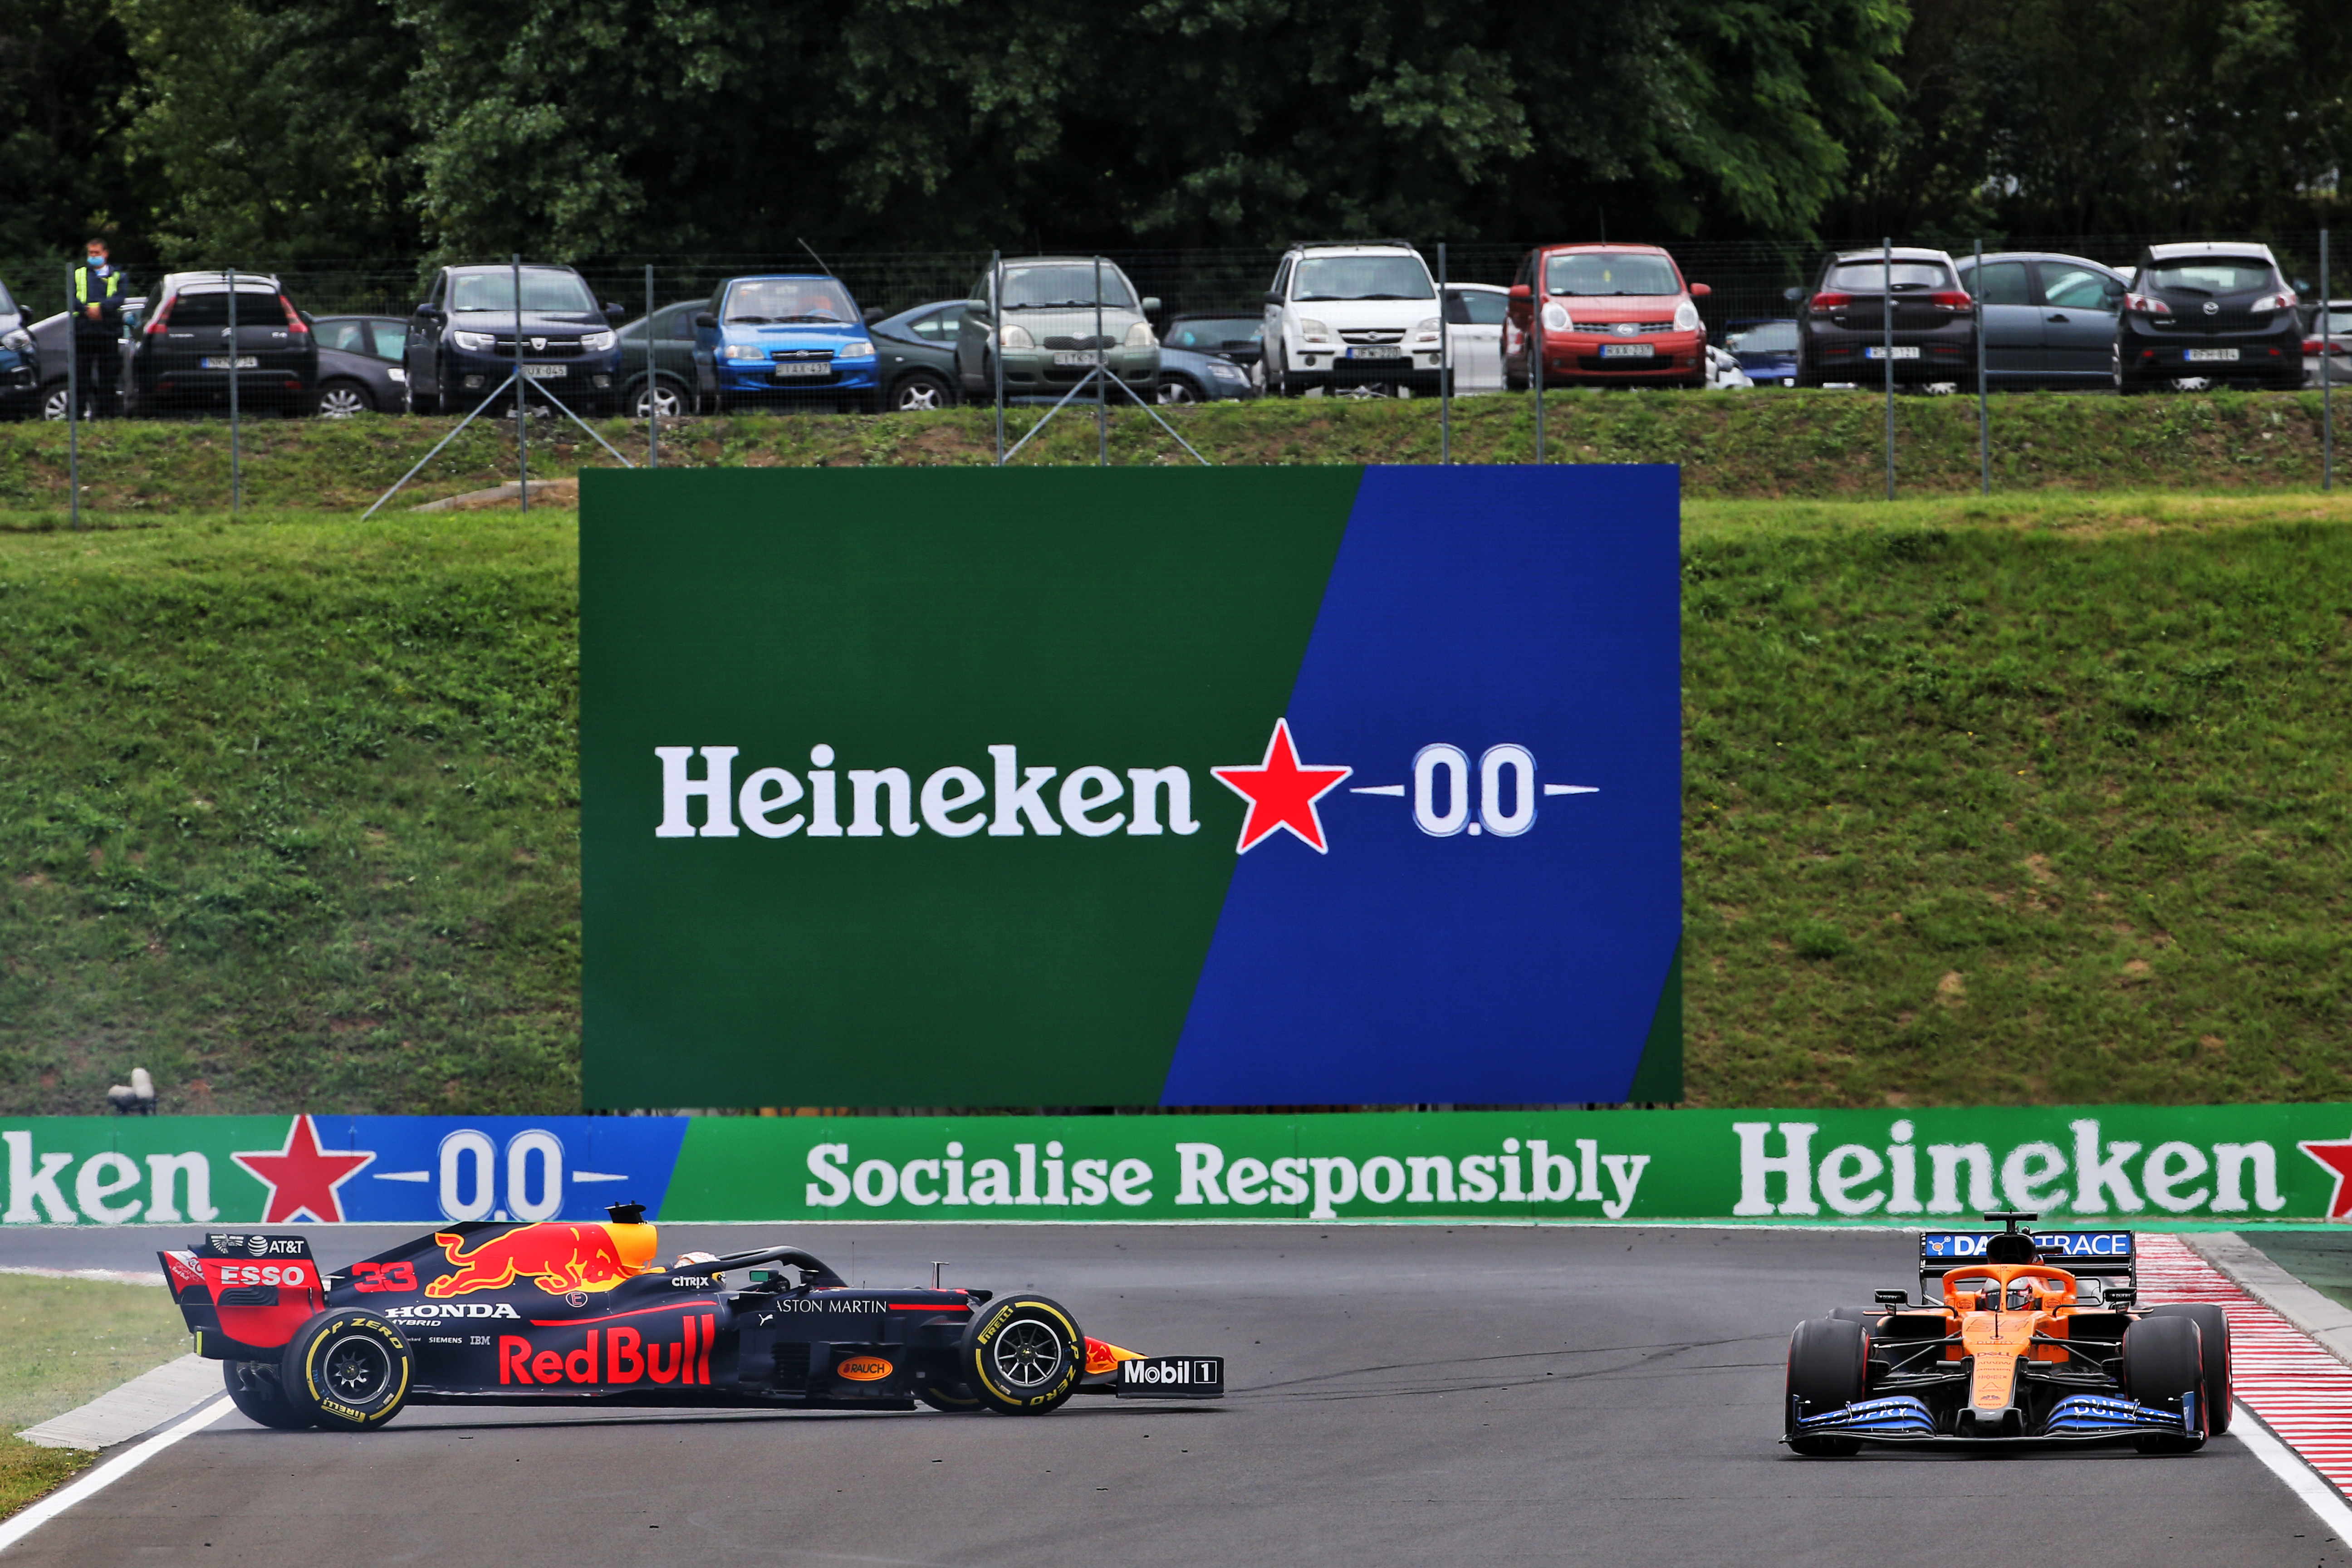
(292, 1274)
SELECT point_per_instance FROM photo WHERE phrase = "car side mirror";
(613, 312)
(872, 315)
(704, 321)
(1792, 294)
(1520, 292)
(1151, 304)
(1888, 1298)
(1274, 298)
(1700, 291)
(423, 309)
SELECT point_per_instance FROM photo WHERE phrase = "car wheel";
(1175, 390)
(1023, 1355)
(949, 1397)
(2162, 1361)
(1806, 376)
(2213, 1354)
(921, 393)
(255, 1388)
(54, 401)
(347, 1370)
(343, 399)
(1828, 1364)
(663, 397)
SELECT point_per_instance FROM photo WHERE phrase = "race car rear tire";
(2213, 1335)
(1828, 1367)
(254, 1387)
(347, 1370)
(2163, 1359)
(1023, 1355)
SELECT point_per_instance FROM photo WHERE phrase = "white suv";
(1344, 316)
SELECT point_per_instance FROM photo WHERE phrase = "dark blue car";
(461, 340)
(1766, 348)
(791, 338)
(20, 362)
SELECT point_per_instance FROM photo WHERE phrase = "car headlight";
(1556, 317)
(1224, 371)
(1138, 336)
(395, 373)
(597, 342)
(1427, 329)
(1313, 331)
(473, 343)
(1687, 316)
(742, 350)
(19, 340)
(856, 348)
(1014, 335)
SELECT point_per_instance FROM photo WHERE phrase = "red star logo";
(2337, 1158)
(1282, 793)
(301, 1177)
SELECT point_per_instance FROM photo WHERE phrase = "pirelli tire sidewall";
(348, 1369)
(1031, 1321)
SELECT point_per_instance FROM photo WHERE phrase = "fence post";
(2326, 376)
(73, 402)
(996, 341)
(1984, 411)
(653, 387)
(1445, 368)
(1535, 348)
(522, 408)
(1102, 379)
(236, 471)
(1886, 324)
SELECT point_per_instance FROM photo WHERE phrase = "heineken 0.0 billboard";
(1131, 786)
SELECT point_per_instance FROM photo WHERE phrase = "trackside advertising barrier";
(2138, 1164)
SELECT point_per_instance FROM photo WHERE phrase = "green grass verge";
(63, 1343)
(2032, 800)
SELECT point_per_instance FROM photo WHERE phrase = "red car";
(1614, 315)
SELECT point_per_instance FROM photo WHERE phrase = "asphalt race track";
(1401, 1395)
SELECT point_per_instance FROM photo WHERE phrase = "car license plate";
(547, 372)
(1377, 350)
(2212, 356)
(1073, 356)
(800, 367)
(244, 361)
(1171, 1377)
(1903, 350)
(1628, 351)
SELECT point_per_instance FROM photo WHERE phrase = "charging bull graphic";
(557, 1258)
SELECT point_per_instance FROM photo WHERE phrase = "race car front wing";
(2082, 1417)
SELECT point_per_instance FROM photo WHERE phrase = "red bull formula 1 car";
(556, 1312)
(2033, 1336)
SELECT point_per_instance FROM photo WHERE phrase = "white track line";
(2282, 1462)
(106, 1475)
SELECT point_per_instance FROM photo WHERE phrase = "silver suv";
(1351, 317)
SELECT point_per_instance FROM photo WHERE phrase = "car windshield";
(1212, 336)
(758, 302)
(1869, 277)
(1478, 307)
(1363, 277)
(1591, 272)
(1772, 337)
(1064, 283)
(544, 289)
(7, 306)
(2335, 323)
(2213, 275)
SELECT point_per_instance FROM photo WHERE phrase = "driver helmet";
(686, 1260)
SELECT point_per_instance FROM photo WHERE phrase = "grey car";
(917, 352)
(683, 381)
(2049, 319)
(1054, 329)
(360, 365)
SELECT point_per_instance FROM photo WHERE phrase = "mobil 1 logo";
(1171, 1377)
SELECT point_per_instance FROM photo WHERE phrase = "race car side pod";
(814, 1270)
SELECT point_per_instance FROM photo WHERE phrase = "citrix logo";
(954, 800)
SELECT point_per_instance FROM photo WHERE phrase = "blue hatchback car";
(1766, 350)
(791, 338)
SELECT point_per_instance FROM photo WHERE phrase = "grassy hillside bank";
(1762, 444)
(2040, 799)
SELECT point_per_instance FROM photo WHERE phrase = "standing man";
(98, 290)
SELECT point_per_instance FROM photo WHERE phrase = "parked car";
(20, 362)
(917, 353)
(2329, 332)
(1613, 315)
(1053, 333)
(1187, 375)
(1351, 317)
(1237, 338)
(53, 341)
(2211, 310)
(794, 338)
(2049, 319)
(1475, 313)
(362, 365)
(1724, 372)
(682, 379)
(1842, 336)
(1766, 348)
(461, 340)
(181, 357)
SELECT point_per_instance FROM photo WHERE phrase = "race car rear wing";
(2109, 1256)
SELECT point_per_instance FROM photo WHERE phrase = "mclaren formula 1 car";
(2031, 1336)
(554, 1312)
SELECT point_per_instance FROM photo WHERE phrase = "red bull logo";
(624, 1356)
(559, 1259)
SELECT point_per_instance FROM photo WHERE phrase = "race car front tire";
(2163, 1360)
(255, 1388)
(1023, 1355)
(2213, 1336)
(948, 1396)
(1828, 1368)
(347, 1370)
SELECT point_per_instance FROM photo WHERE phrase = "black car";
(461, 340)
(362, 365)
(2208, 310)
(180, 358)
(916, 351)
(20, 362)
(682, 381)
(552, 1314)
(1843, 333)
(1237, 338)
(2049, 319)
